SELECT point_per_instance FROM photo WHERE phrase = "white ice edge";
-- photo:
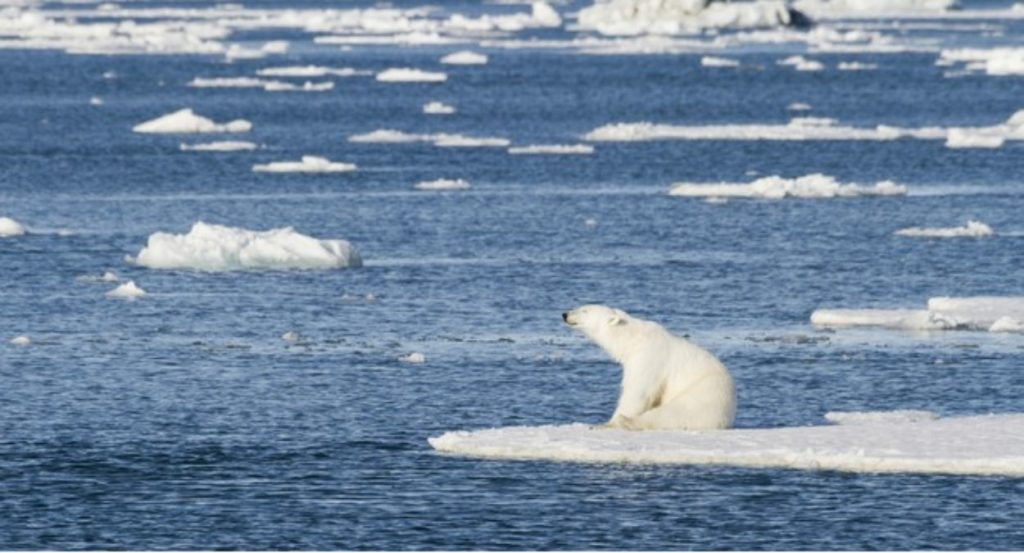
(775, 187)
(985, 313)
(978, 445)
(443, 184)
(9, 227)
(308, 164)
(185, 121)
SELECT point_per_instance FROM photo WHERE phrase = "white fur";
(667, 382)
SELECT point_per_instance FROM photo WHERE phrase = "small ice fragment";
(95, 101)
(973, 229)
(20, 341)
(409, 75)
(186, 121)
(127, 290)
(443, 184)
(10, 227)
(291, 336)
(438, 108)
(712, 61)
(464, 57)
(415, 358)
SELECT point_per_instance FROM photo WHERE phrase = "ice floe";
(128, 291)
(991, 61)
(873, 7)
(185, 121)
(443, 184)
(307, 86)
(462, 141)
(95, 101)
(464, 57)
(107, 276)
(552, 149)
(390, 136)
(991, 313)
(308, 164)
(809, 186)
(965, 138)
(856, 66)
(871, 417)
(227, 82)
(413, 358)
(980, 445)
(973, 229)
(208, 247)
(438, 108)
(635, 17)
(799, 106)
(10, 227)
(713, 61)
(219, 146)
(309, 71)
(291, 337)
(801, 63)
(407, 75)
(20, 341)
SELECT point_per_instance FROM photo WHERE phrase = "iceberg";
(219, 146)
(443, 184)
(973, 229)
(126, 291)
(635, 17)
(407, 75)
(9, 227)
(209, 247)
(185, 121)
(308, 164)
(464, 57)
(774, 187)
(986, 313)
(438, 108)
(552, 149)
(974, 445)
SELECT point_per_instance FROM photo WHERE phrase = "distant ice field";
(255, 397)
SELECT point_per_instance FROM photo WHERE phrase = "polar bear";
(667, 382)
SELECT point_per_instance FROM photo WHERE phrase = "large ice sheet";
(633, 17)
(185, 121)
(808, 186)
(980, 445)
(991, 313)
(210, 247)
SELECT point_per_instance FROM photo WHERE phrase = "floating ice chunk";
(308, 164)
(291, 336)
(636, 17)
(10, 227)
(462, 141)
(942, 313)
(464, 57)
(856, 66)
(128, 291)
(95, 101)
(553, 149)
(220, 248)
(20, 341)
(1007, 324)
(989, 444)
(227, 82)
(107, 276)
(239, 52)
(307, 86)
(801, 63)
(543, 15)
(390, 136)
(966, 138)
(973, 229)
(185, 121)
(414, 358)
(874, 417)
(993, 61)
(407, 75)
(711, 61)
(219, 146)
(438, 108)
(874, 6)
(443, 184)
(309, 71)
(799, 106)
(799, 128)
(809, 186)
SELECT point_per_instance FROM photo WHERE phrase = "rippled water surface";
(183, 420)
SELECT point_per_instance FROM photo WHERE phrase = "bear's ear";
(616, 320)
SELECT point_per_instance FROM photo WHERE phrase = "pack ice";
(208, 247)
(308, 164)
(991, 313)
(901, 442)
(185, 121)
(774, 187)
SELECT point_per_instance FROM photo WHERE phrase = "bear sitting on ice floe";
(668, 383)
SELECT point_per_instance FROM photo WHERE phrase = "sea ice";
(413, 358)
(107, 276)
(407, 75)
(464, 57)
(979, 445)
(553, 149)
(95, 101)
(307, 86)
(965, 138)
(973, 229)
(871, 7)
(942, 313)
(799, 106)
(219, 146)
(872, 417)
(462, 141)
(185, 121)
(774, 187)
(636, 17)
(10, 227)
(308, 71)
(308, 164)
(291, 337)
(390, 136)
(443, 184)
(992, 61)
(801, 63)
(227, 82)
(128, 291)
(20, 341)
(438, 108)
(712, 61)
(856, 66)
(209, 247)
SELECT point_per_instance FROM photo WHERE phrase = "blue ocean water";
(183, 421)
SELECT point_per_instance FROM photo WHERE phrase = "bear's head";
(602, 324)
